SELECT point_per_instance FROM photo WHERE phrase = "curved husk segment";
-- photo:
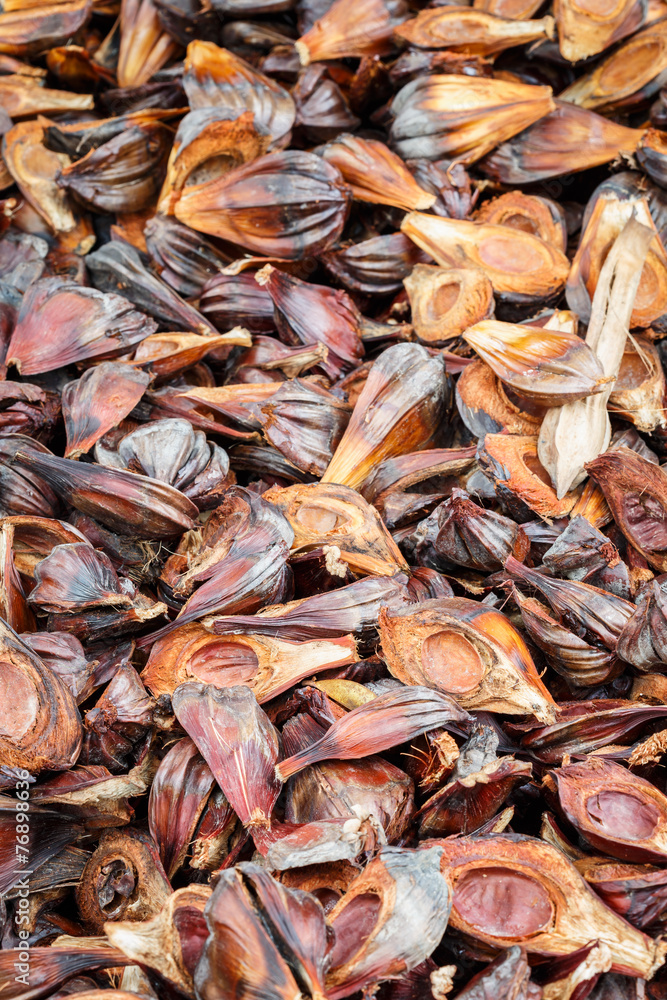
(286, 205)
(168, 942)
(403, 902)
(129, 504)
(613, 809)
(40, 725)
(635, 71)
(399, 410)
(392, 718)
(267, 665)
(511, 461)
(652, 155)
(98, 401)
(165, 354)
(399, 474)
(374, 266)
(582, 664)
(332, 515)
(464, 117)
(345, 30)
(48, 25)
(216, 77)
(584, 29)
(643, 640)
(446, 301)
(239, 744)
(181, 787)
(35, 169)
(145, 46)
(472, 30)
(468, 651)
(375, 174)
(565, 141)
(640, 389)
(485, 407)
(636, 492)
(510, 889)
(551, 367)
(521, 267)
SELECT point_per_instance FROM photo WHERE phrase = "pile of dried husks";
(333, 548)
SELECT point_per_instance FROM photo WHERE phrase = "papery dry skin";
(98, 401)
(265, 665)
(24, 493)
(53, 966)
(289, 205)
(304, 313)
(269, 354)
(117, 267)
(581, 663)
(23, 95)
(615, 811)
(180, 789)
(584, 727)
(604, 223)
(636, 491)
(35, 537)
(40, 726)
(305, 423)
(238, 742)
(521, 267)
(565, 141)
(216, 77)
(462, 116)
(123, 174)
(528, 212)
(398, 411)
(82, 322)
(521, 483)
(640, 389)
(251, 946)
(485, 407)
(579, 431)
(169, 943)
(123, 879)
(600, 612)
(472, 30)
(208, 143)
(509, 888)
(399, 474)
(173, 452)
(548, 367)
(467, 650)
(375, 938)
(446, 301)
(461, 533)
(144, 45)
(350, 609)
(130, 504)
(375, 174)
(585, 30)
(332, 515)
(643, 641)
(34, 169)
(633, 73)
(374, 266)
(391, 718)
(475, 790)
(168, 354)
(97, 797)
(344, 31)
(77, 577)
